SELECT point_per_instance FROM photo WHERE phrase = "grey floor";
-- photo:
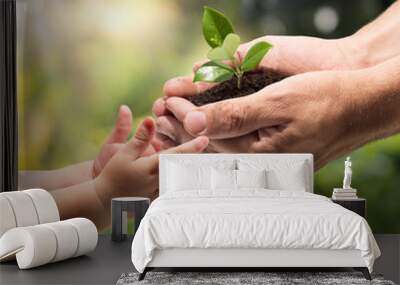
(389, 262)
(110, 260)
(102, 266)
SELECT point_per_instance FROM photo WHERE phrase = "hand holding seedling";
(327, 113)
(290, 55)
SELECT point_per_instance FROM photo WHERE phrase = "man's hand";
(289, 55)
(294, 115)
(129, 173)
(327, 113)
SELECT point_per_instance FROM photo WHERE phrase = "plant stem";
(239, 81)
(238, 73)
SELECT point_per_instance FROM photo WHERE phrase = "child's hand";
(128, 173)
(117, 140)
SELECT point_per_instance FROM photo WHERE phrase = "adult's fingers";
(159, 108)
(142, 139)
(267, 141)
(228, 118)
(173, 129)
(180, 107)
(122, 126)
(184, 86)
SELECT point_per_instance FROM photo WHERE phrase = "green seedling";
(223, 65)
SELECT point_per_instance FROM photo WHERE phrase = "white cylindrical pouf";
(23, 208)
(7, 218)
(67, 239)
(45, 205)
(40, 244)
(34, 246)
(87, 235)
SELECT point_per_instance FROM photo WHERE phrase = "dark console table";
(358, 205)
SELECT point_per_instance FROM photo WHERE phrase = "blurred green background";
(78, 60)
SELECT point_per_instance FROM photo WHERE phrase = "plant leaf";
(212, 72)
(255, 54)
(231, 43)
(227, 50)
(215, 27)
(218, 53)
(223, 65)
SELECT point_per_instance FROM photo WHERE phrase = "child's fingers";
(148, 151)
(143, 136)
(107, 152)
(194, 146)
(158, 108)
(165, 141)
(156, 144)
(123, 126)
(154, 147)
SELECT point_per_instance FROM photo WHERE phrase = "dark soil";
(251, 83)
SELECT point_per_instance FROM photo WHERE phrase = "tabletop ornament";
(347, 192)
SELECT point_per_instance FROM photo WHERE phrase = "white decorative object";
(7, 218)
(347, 192)
(41, 244)
(67, 238)
(45, 206)
(31, 246)
(23, 208)
(26, 208)
(31, 232)
(347, 174)
(87, 233)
